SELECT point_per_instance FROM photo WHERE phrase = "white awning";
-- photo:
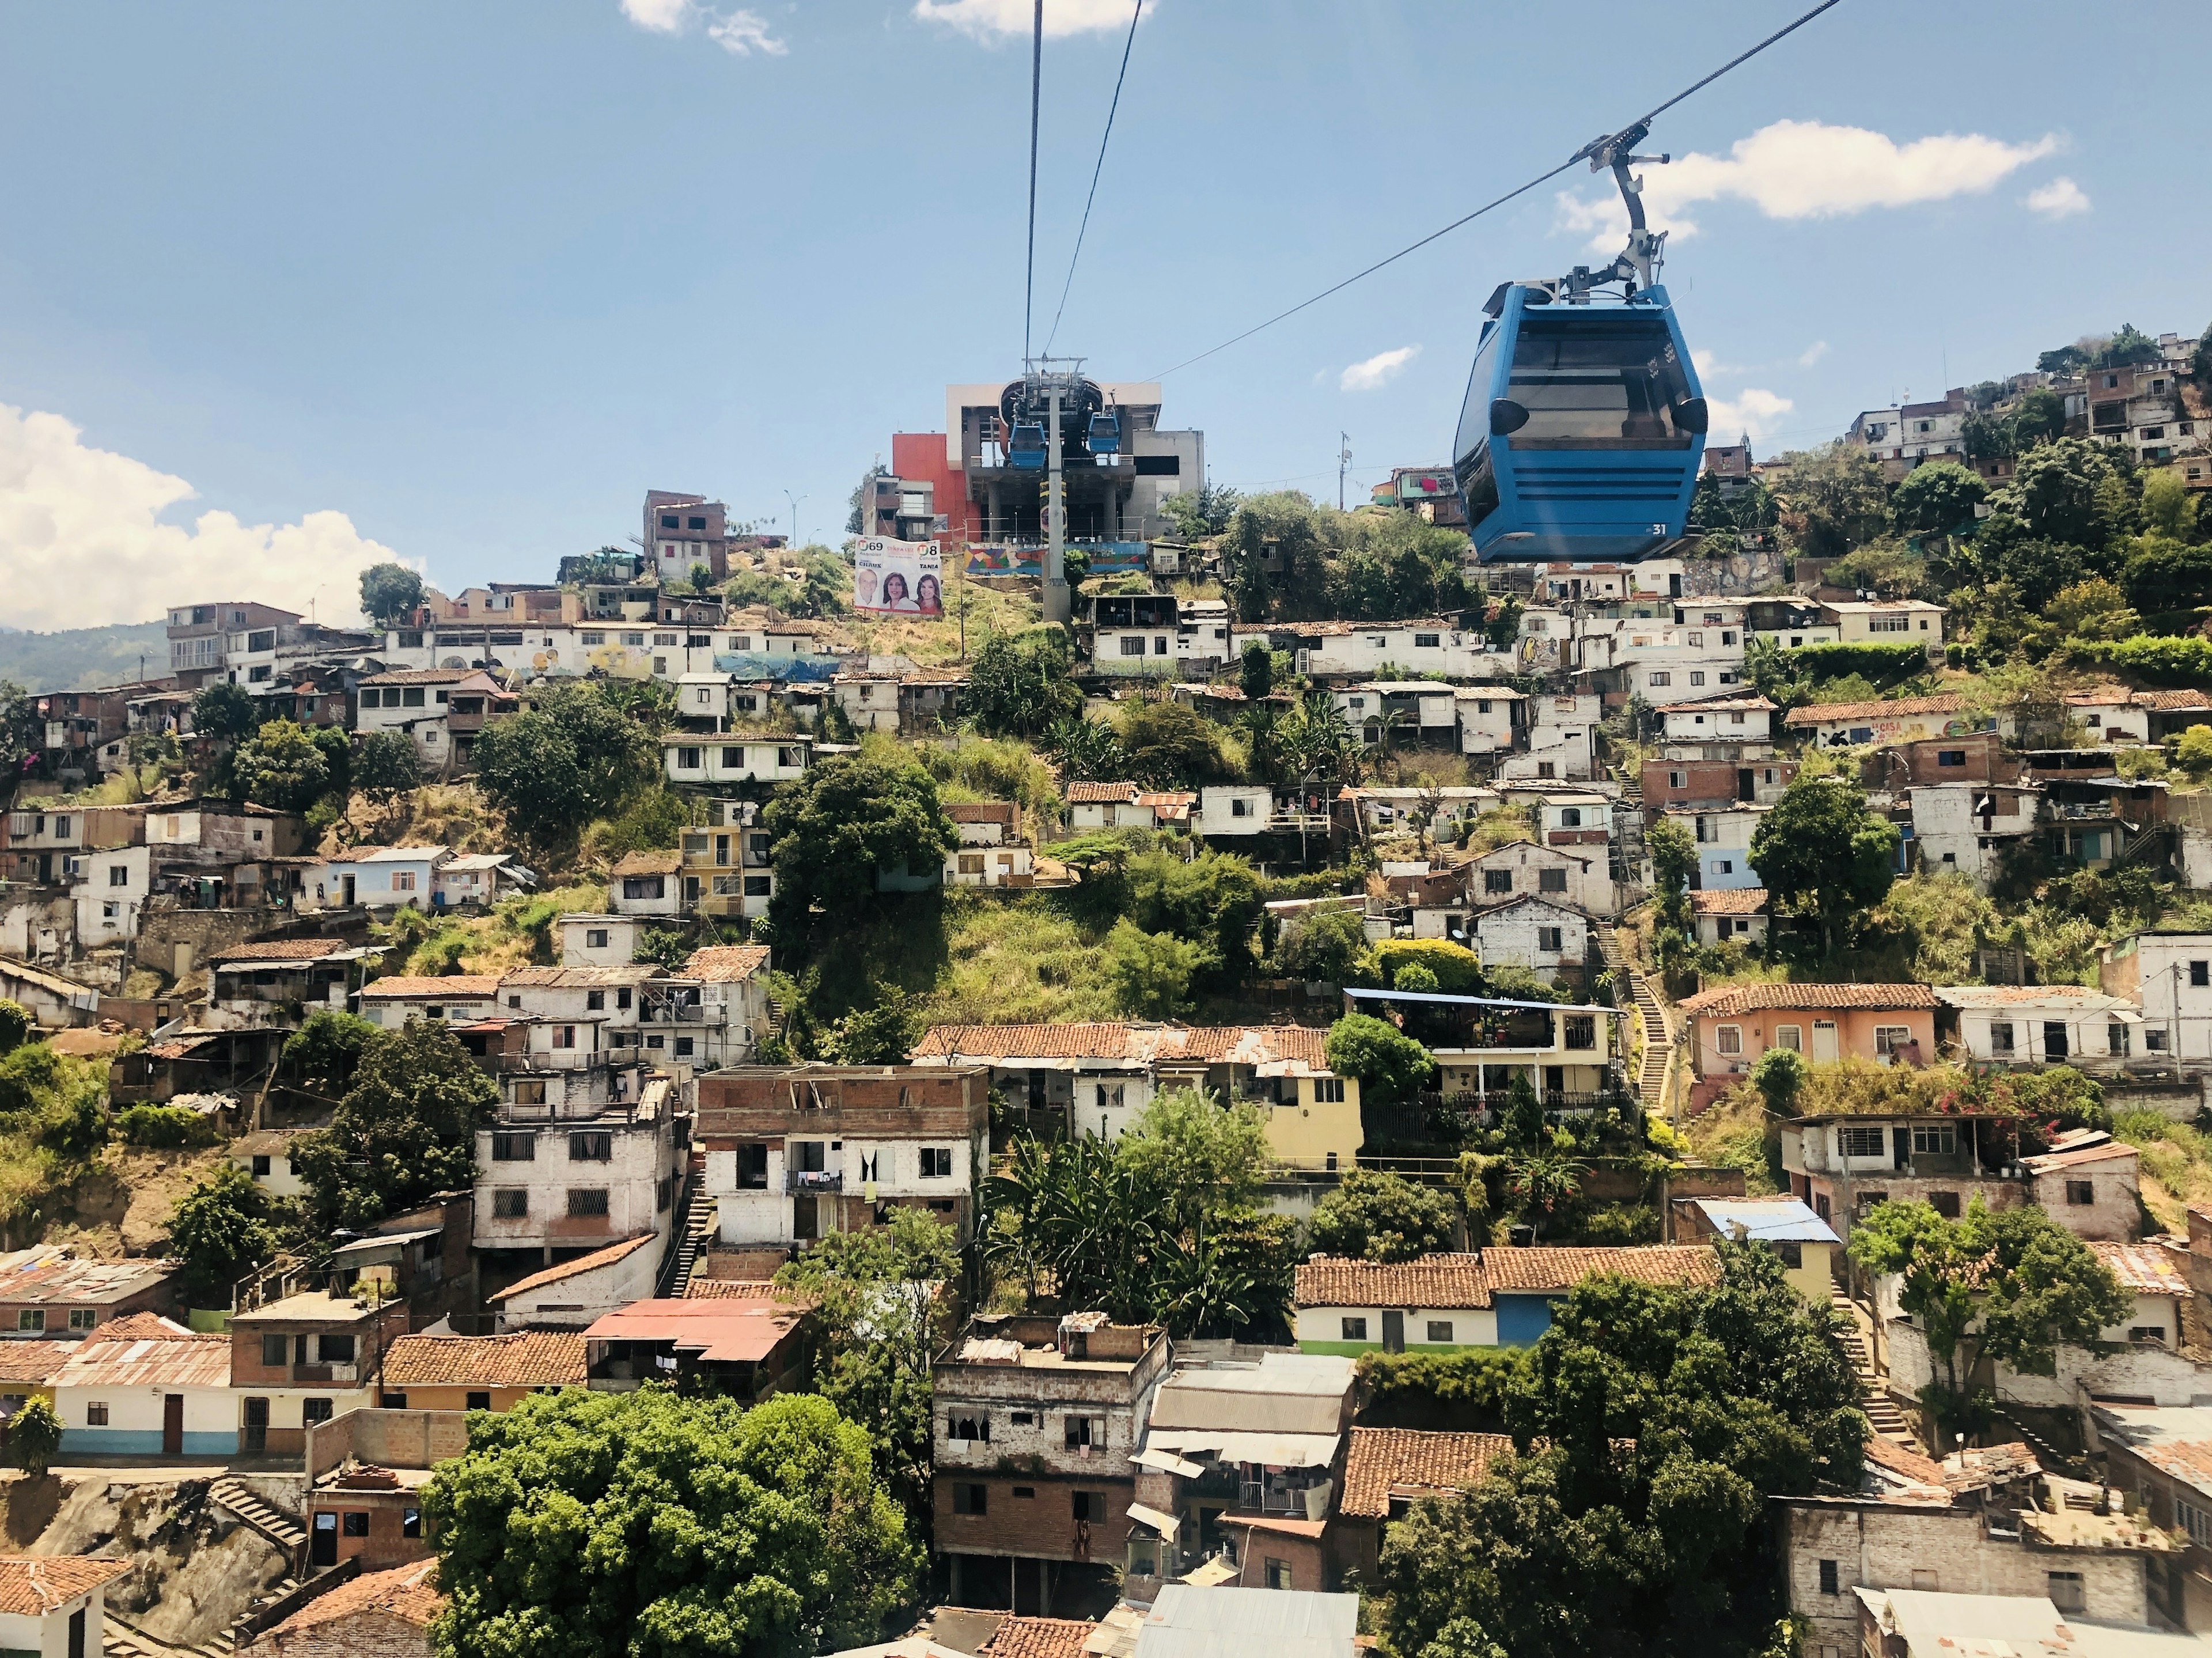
(1165, 1524)
(1272, 1450)
(1167, 1462)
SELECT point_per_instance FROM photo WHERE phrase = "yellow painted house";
(1808, 1246)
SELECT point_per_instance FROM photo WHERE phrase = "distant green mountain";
(83, 658)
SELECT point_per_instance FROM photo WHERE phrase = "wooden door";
(257, 1424)
(1394, 1333)
(324, 1549)
(173, 1424)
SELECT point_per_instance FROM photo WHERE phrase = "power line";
(1498, 202)
(1095, 171)
(1036, 85)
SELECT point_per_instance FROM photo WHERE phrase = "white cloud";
(1377, 370)
(1812, 354)
(1808, 170)
(661, 16)
(744, 32)
(2062, 199)
(990, 20)
(739, 32)
(82, 543)
(1752, 410)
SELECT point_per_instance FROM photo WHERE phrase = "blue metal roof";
(1471, 1001)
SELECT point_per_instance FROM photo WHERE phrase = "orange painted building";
(1731, 1027)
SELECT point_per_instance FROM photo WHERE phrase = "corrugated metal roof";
(718, 1332)
(176, 1362)
(1771, 1220)
(725, 963)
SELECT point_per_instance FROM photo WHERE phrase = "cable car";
(1025, 446)
(1583, 425)
(1105, 436)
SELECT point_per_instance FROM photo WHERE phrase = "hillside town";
(1324, 1097)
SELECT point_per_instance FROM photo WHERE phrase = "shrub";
(1881, 665)
(2186, 660)
(1778, 1076)
(34, 1435)
(165, 1127)
(17, 1023)
(1377, 1216)
(1389, 1065)
(1457, 970)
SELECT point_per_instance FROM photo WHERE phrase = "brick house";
(478, 1373)
(2161, 1455)
(1388, 1470)
(1732, 1026)
(1036, 1422)
(365, 1472)
(300, 1359)
(1844, 1165)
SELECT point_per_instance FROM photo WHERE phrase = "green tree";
(22, 737)
(1674, 852)
(1170, 745)
(223, 713)
(1822, 855)
(325, 1051)
(885, 1316)
(2012, 1287)
(405, 1129)
(2095, 608)
(1203, 512)
(1651, 1426)
(2057, 491)
(1937, 498)
(1374, 1215)
(1325, 948)
(1833, 500)
(34, 1435)
(389, 594)
(16, 1025)
(1778, 1076)
(1390, 1065)
(1088, 750)
(676, 1525)
(1150, 972)
(386, 765)
(1020, 685)
(833, 830)
(884, 1034)
(282, 767)
(2194, 750)
(2168, 508)
(572, 758)
(1198, 1157)
(1255, 673)
(222, 1230)
(2163, 575)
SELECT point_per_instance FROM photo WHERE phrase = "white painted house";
(1492, 719)
(1532, 932)
(599, 940)
(56, 1603)
(577, 1184)
(381, 877)
(690, 759)
(112, 895)
(1562, 741)
(1230, 809)
(1522, 868)
(161, 1396)
(2044, 1024)
(1718, 719)
(1723, 835)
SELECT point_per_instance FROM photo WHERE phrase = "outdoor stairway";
(271, 1521)
(124, 1640)
(1658, 1040)
(1888, 1421)
(696, 1224)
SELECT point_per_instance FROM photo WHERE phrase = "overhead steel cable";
(1493, 205)
(1036, 85)
(1095, 171)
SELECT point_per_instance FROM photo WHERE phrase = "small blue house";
(1525, 1282)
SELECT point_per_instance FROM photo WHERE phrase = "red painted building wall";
(919, 457)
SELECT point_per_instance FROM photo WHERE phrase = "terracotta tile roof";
(33, 1585)
(1904, 1462)
(1038, 1638)
(2171, 700)
(981, 811)
(1821, 714)
(1739, 901)
(648, 863)
(35, 1362)
(461, 986)
(1085, 795)
(597, 1259)
(725, 964)
(282, 950)
(534, 1358)
(1438, 1281)
(1548, 1268)
(1027, 1041)
(728, 1289)
(2146, 1268)
(142, 1327)
(408, 1593)
(1384, 1462)
(1731, 999)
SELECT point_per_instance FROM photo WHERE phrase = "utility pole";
(1056, 606)
(1343, 460)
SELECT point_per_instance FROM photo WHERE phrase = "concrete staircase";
(1658, 1035)
(1888, 1421)
(269, 1521)
(696, 1224)
(125, 1640)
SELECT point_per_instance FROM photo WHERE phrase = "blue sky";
(293, 284)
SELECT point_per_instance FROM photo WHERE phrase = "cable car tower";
(1583, 425)
(1051, 399)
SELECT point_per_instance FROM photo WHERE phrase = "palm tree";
(1259, 725)
(1544, 1181)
